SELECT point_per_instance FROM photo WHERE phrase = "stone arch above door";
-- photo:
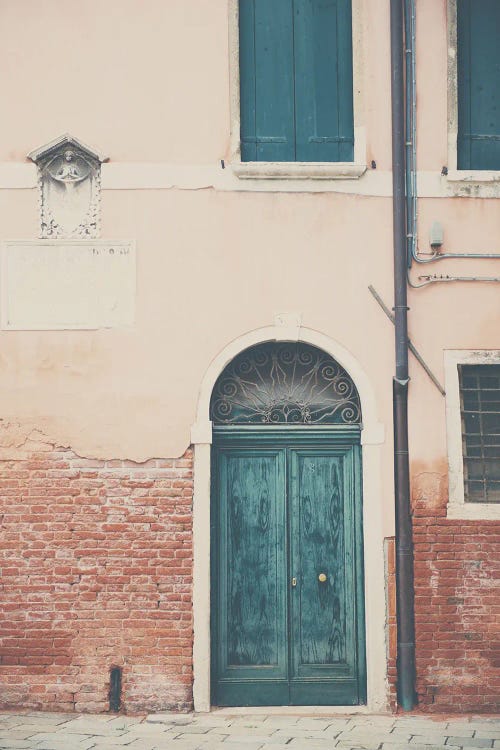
(277, 383)
(373, 432)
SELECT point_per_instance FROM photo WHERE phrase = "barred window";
(480, 412)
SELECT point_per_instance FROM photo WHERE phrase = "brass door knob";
(322, 577)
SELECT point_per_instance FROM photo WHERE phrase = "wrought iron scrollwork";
(292, 383)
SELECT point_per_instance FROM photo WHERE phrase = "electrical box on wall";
(436, 234)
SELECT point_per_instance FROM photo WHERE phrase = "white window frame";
(299, 170)
(464, 176)
(457, 507)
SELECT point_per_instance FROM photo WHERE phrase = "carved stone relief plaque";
(69, 185)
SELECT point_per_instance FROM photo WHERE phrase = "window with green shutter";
(296, 89)
(478, 41)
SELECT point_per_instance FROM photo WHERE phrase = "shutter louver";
(266, 80)
(323, 80)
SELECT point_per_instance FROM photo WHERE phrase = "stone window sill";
(473, 176)
(474, 511)
(298, 170)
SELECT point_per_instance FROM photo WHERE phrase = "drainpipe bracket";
(401, 382)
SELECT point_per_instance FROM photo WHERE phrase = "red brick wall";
(96, 566)
(457, 603)
(96, 571)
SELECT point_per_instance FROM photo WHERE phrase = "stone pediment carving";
(69, 184)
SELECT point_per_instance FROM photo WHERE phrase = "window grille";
(289, 383)
(480, 411)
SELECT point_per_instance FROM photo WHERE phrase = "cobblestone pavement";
(222, 730)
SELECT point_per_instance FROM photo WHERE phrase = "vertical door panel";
(323, 605)
(251, 605)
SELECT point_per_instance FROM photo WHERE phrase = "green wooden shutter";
(323, 80)
(478, 84)
(266, 80)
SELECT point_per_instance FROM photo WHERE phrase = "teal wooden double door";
(287, 583)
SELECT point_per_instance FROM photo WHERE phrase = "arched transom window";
(289, 383)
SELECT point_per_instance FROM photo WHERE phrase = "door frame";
(287, 328)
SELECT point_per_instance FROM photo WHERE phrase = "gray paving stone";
(213, 721)
(19, 733)
(311, 723)
(94, 730)
(115, 742)
(148, 732)
(63, 744)
(488, 732)
(58, 736)
(137, 744)
(10, 723)
(245, 740)
(428, 739)
(398, 735)
(302, 743)
(216, 736)
(251, 730)
(170, 718)
(34, 728)
(309, 734)
(225, 731)
(376, 738)
(125, 722)
(420, 724)
(52, 718)
(339, 724)
(460, 730)
(281, 721)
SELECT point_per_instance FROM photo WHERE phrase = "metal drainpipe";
(404, 544)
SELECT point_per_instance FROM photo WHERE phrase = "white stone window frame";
(457, 506)
(480, 180)
(351, 170)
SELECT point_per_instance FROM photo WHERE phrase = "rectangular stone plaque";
(68, 284)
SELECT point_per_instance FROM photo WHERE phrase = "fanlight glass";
(290, 383)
